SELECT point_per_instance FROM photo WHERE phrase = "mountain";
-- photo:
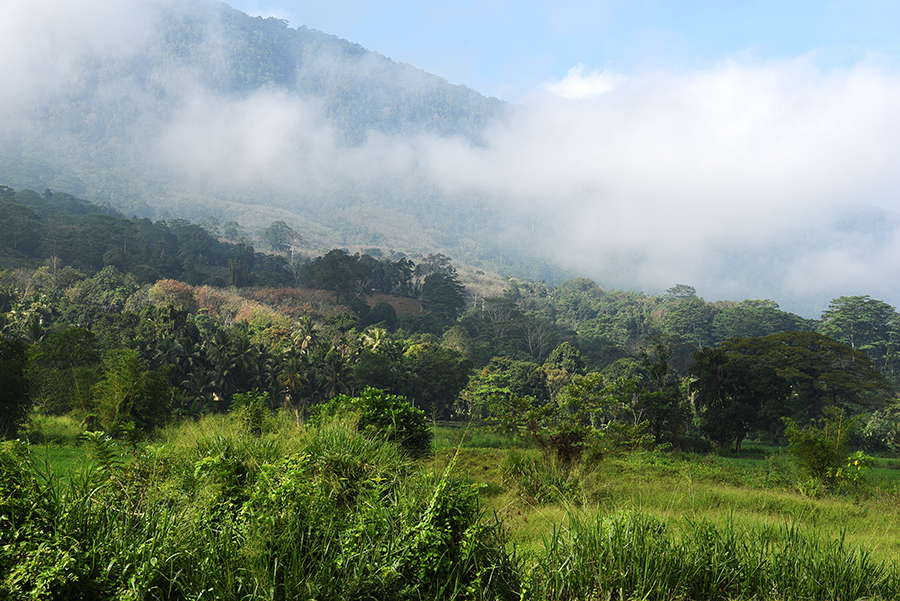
(194, 110)
(204, 111)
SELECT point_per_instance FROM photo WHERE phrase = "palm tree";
(306, 336)
(293, 376)
(375, 339)
(199, 387)
(335, 374)
(261, 373)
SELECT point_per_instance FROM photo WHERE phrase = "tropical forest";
(191, 411)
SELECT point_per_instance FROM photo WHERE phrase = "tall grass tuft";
(540, 478)
(217, 511)
(635, 556)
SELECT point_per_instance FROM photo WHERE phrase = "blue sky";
(507, 48)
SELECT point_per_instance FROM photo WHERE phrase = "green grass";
(473, 437)
(207, 508)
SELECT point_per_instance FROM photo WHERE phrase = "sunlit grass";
(215, 500)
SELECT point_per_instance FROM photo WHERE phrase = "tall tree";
(867, 325)
(444, 294)
(822, 371)
(733, 397)
(755, 318)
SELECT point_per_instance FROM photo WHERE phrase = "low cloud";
(747, 179)
(45, 44)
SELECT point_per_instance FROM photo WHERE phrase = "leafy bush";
(821, 449)
(328, 514)
(383, 415)
(129, 392)
(249, 409)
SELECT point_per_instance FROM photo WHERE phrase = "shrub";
(384, 415)
(129, 392)
(249, 409)
(541, 479)
(820, 449)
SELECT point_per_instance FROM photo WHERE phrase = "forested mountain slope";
(204, 110)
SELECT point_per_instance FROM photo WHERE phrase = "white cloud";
(735, 179)
(578, 84)
(44, 43)
(748, 161)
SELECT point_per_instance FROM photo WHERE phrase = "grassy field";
(489, 514)
(753, 489)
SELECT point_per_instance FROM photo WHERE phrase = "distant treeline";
(59, 228)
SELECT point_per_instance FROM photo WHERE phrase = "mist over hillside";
(743, 179)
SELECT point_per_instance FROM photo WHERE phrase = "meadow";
(216, 509)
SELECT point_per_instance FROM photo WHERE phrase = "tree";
(822, 371)
(660, 400)
(568, 358)
(691, 319)
(753, 319)
(280, 237)
(821, 448)
(20, 228)
(502, 379)
(14, 400)
(336, 374)
(342, 272)
(385, 416)
(444, 295)
(62, 370)
(129, 392)
(732, 397)
(866, 325)
(436, 377)
(680, 292)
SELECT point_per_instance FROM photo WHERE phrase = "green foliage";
(444, 295)
(249, 410)
(754, 319)
(854, 470)
(867, 325)
(500, 381)
(128, 392)
(734, 398)
(14, 401)
(568, 358)
(545, 479)
(660, 399)
(638, 556)
(822, 372)
(821, 449)
(324, 513)
(103, 448)
(62, 369)
(562, 428)
(435, 376)
(385, 416)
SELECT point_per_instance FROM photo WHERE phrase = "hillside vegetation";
(200, 403)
